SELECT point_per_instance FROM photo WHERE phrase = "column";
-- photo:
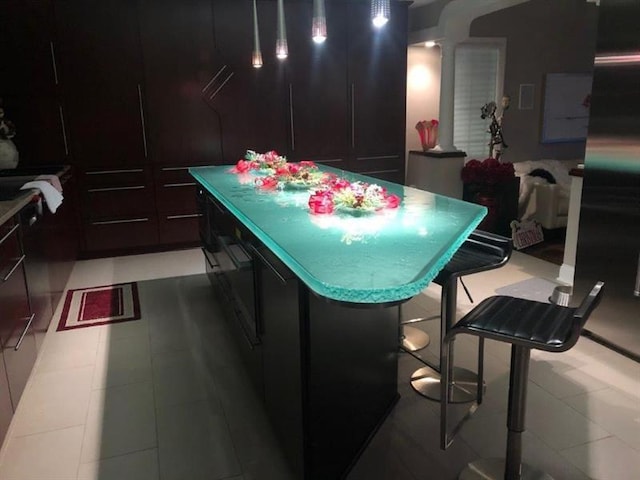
(447, 83)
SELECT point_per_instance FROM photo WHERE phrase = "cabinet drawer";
(9, 247)
(119, 203)
(175, 189)
(117, 177)
(121, 233)
(179, 228)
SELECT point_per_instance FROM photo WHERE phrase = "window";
(478, 80)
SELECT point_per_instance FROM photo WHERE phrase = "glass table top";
(375, 257)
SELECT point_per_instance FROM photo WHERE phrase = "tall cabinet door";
(377, 84)
(183, 130)
(317, 84)
(29, 85)
(101, 74)
(179, 60)
(251, 102)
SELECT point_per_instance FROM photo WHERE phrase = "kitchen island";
(314, 300)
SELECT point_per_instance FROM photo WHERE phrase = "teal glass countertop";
(380, 257)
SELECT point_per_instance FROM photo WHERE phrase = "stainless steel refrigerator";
(609, 233)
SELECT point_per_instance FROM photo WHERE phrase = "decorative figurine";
(496, 143)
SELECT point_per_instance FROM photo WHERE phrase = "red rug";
(87, 307)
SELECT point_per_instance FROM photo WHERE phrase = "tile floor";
(165, 398)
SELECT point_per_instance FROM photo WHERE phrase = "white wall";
(423, 90)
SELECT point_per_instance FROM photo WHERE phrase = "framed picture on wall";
(567, 97)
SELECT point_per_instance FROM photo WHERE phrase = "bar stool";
(526, 325)
(482, 251)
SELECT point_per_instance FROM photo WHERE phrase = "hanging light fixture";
(380, 12)
(319, 23)
(282, 50)
(256, 56)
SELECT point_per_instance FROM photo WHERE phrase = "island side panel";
(352, 377)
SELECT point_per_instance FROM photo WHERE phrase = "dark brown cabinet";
(377, 84)
(317, 86)
(17, 342)
(29, 83)
(252, 102)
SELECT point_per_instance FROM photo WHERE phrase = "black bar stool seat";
(526, 325)
(481, 252)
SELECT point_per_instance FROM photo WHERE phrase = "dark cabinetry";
(327, 371)
(18, 347)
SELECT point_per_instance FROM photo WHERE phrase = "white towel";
(52, 179)
(52, 196)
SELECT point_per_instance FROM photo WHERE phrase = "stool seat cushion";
(470, 259)
(529, 323)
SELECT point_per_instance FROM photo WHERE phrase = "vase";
(8, 154)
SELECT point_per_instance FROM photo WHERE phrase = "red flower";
(393, 201)
(307, 163)
(283, 170)
(321, 202)
(267, 183)
(489, 171)
(242, 166)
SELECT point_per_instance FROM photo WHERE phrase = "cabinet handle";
(64, 131)
(268, 264)
(114, 222)
(184, 184)
(369, 172)
(293, 135)
(188, 215)
(636, 291)
(13, 269)
(13, 229)
(380, 157)
(115, 189)
(109, 172)
(204, 252)
(144, 133)
(353, 115)
(24, 332)
(53, 63)
(173, 169)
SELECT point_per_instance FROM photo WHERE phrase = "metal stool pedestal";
(493, 468)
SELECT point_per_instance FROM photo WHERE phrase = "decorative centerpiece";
(266, 163)
(356, 198)
(304, 174)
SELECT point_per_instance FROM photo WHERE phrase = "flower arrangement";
(304, 174)
(488, 172)
(267, 162)
(351, 196)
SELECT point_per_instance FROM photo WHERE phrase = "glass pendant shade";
(282, 49)
(380, 12)
(319, 23)
(256, 56)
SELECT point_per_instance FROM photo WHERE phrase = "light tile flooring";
(165, 397)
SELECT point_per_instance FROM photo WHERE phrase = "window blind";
(476, 79)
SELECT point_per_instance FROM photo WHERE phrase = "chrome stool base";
(493, 469)
(414, 339)
(426, 381)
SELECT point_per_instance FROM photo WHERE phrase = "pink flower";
(321, 202)
(242, 166)
(393, 201)
(267, 183)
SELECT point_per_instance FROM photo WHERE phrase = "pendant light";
(282, 50)
(256, 56)
(380, 12)
(319, 23)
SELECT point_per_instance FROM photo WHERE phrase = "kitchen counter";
(314, 302)
(386, 256)
(8, 208)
